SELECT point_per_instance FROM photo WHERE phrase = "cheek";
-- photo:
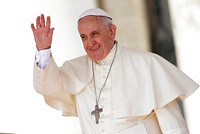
(84, 45)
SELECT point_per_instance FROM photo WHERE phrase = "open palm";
(42, 32)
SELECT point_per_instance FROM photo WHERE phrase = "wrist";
(42, 48)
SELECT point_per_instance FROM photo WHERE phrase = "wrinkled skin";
(97, 38)
(42, 32)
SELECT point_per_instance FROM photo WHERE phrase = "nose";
(91, 41)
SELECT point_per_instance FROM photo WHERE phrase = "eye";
(83, 37)
(94, 33)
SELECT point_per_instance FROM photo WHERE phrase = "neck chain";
(97, 110)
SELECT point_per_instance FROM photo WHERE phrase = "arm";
(47, 77)
(43, 39)
(171, 120)
(48, 82)
(45, 80)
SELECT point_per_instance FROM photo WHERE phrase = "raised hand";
(42, 32)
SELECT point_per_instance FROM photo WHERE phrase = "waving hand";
(42, 32)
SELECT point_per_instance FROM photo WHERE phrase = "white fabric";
(171, 119)
(138, 84)
(107, 124)
(42, 57)
(94, 12)
(138, 129)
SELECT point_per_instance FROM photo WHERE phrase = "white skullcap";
(94, 12)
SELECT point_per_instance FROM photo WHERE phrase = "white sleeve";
(42, 58)
(171, 120)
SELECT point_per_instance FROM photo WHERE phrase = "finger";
(51, 33)
(48, 23)
(38, 25)
(42, 20)
(32, 27)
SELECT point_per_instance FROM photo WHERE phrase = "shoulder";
(141, 58)
(134, 54)
(76, 62)
(80, 59)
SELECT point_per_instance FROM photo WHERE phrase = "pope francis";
(112, 89)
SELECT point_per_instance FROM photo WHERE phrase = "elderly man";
(112, 89)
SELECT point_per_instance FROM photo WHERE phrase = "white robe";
(142, 82)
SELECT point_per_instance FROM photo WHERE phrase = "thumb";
(51, 33)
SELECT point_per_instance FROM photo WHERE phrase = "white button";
(104, 68)
(101, 106)
(104, 76)
(103, 63)
(102, 99)
(107, 62)
(101, 122)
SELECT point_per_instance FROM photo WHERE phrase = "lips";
(94, 48)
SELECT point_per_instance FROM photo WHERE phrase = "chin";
(96, 59)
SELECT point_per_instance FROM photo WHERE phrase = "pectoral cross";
(96, 113)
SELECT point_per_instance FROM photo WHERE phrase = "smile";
(95, 48)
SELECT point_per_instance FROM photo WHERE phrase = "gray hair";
(107, 21)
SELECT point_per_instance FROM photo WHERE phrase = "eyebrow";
(94, 31)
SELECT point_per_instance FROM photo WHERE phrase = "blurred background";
(170, 28)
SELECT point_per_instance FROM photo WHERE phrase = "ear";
(113, 29)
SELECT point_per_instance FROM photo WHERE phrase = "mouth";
(95, 48)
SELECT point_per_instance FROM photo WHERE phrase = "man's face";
(97, 38)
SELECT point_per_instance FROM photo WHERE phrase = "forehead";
(90, 23)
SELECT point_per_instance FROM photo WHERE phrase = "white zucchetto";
(94, 12)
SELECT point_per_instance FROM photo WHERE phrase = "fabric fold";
(149, 82)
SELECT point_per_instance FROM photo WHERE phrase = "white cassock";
(140, 96)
